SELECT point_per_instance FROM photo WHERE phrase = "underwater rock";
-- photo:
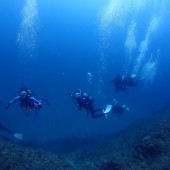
(145, 144)
(110, 165)
(149, 148)
(15, 157)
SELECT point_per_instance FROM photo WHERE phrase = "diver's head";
(23, 94)
(78, 93)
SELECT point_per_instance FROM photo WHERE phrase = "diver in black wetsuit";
(122, 83)
(83, 100)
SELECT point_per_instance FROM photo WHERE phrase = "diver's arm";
(39, 102)
(5, 129)
(35, 100)
(46, 101)
(12, 101)
(71, 95)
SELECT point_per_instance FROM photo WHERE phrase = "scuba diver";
(7, 134)
(28, 101)
(122, 83)
(83, 100)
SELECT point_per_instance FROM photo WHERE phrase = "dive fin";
(108, 109)
(18, 136)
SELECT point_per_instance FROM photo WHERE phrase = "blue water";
(66, 40)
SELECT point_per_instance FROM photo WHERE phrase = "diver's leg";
(94, 115)
(5, 129)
